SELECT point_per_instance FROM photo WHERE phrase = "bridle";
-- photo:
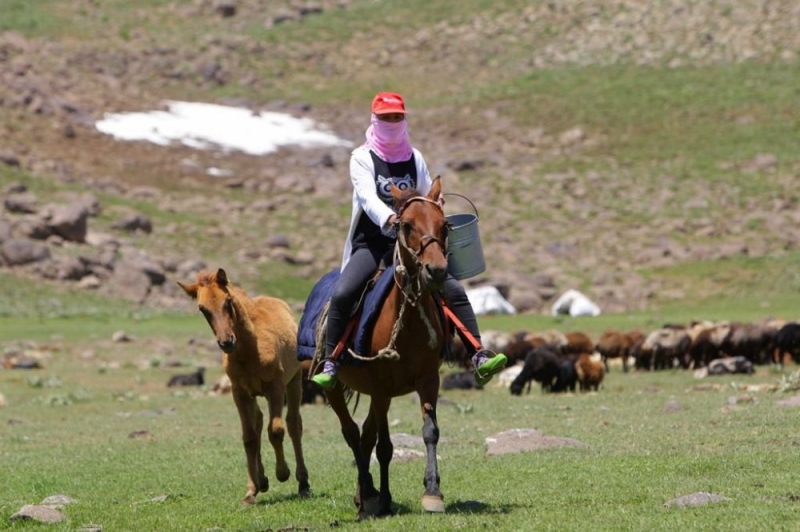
(410, 282)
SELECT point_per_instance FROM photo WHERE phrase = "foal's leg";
(275, 430)
(294, 424)
(252, 423)
(428, 389)
(366, 488)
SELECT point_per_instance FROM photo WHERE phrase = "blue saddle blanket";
(318, 298)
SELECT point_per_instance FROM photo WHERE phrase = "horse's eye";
(405, 226)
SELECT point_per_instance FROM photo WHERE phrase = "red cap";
(388, 102)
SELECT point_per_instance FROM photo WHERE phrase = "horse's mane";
(404, 197)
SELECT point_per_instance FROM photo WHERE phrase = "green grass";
(644, 115)
(637, 456)
(65, 429)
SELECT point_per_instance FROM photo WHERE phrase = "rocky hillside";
(557, 210)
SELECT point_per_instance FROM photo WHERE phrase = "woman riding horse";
(387, 158)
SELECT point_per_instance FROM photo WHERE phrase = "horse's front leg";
(275, 430)
(432, 500)
(366, 488)
(252, 424)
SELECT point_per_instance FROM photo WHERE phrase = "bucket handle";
(464, 197)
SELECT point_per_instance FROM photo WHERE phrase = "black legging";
(359, 270)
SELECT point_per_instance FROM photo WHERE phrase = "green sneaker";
(491, 366)
(324, 381)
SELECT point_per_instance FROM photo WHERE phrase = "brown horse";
(258, 338)
(405, 354)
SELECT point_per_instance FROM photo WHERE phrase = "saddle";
(311, 329)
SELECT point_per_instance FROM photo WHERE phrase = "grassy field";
(67, 430)
(665, 157)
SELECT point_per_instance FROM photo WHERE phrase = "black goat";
(541, 365)
(192, 379)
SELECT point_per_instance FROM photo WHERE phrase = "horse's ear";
(436, 189)
(222, 278)
(397, 194)
(190, 289)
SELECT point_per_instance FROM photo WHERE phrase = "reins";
(409, 285)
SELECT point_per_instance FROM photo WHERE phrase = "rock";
(225, 8)
(43, 514)
(120, 337)
(129, 282)
(134, 222)
(68, 221)
(521, 440)
(695, 499)
(19, 251)
(9, 159)
(58, 500)
(22, 203)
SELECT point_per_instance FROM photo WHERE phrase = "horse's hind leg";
(366, 487)
(432, 500)
(294, 424)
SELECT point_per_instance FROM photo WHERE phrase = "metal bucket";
(464, 250)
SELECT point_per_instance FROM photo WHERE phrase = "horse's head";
(211, 290)
(422, 234)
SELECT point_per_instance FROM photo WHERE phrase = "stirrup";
(492, 366)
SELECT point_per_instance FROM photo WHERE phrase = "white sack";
(574, 303)
(488, 300)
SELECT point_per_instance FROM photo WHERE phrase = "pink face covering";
(389, 140)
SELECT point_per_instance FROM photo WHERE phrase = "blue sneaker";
(326, 379)
(487, 366)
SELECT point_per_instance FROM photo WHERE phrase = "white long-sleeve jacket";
(365, 195)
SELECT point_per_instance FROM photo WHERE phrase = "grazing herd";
(562, 362)
(258, 339)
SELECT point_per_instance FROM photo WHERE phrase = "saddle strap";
(343, 340)
(461, 327)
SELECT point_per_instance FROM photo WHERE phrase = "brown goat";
(590, 372)
(258, 338)
(614, 344)
(577, 343)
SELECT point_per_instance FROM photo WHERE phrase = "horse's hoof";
(249, 500)
(371, 506)
(433, 503)
(304, 490)
(282, 473)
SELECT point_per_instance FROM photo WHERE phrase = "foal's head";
(422, 234)
(212, 292)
